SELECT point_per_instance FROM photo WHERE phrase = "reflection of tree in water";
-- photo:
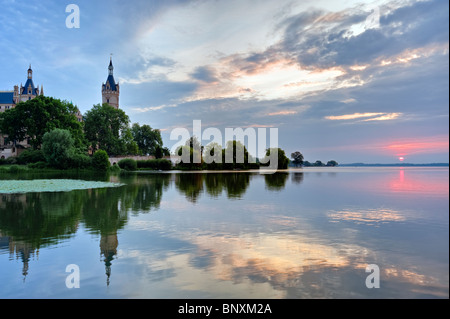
(297, 178)
(214, 184)
(36, 220)
(276, 181)
(149, 192)
(32, 221)
(192, 185)
(40, 219)
(236, 184)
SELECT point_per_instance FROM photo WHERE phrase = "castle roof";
(112, 83)
(27, 84)
(6, 97)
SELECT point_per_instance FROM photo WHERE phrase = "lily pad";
(50, 185)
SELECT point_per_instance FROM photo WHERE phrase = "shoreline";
(293, 169)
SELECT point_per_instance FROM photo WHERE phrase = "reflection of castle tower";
(23, 251)
(108, 248)
(110, 89)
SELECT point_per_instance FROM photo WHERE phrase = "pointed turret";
(29, 91)
(110, 89)
(110, 67)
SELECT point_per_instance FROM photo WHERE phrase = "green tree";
(332, 163)
(235, 156)
(130, 146)
(58, 147)
(318, 163)
(158, 152)
(32, 119)
(100, 160)
(297, 158)
(283, 161)
(147, 139)
(190, 157)
(106, 128)
(212, 155)
(166, 151)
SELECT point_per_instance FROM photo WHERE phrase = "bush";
(127, 164)
(38, 165)
(162, 164)
(80, 161)
(16, 169)
(30, 156)
(100, 160)
(114, 168)
(11, 160)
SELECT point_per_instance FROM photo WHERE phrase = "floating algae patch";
(49, 185)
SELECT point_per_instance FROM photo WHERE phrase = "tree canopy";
(283, 161)
(148, 140)
(107, 128)
(297, 158)
(58, 147)
(32, 119)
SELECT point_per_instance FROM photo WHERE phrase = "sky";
(351, 81)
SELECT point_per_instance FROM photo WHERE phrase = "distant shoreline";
(396, 165)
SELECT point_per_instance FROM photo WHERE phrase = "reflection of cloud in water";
(367, 216)
(267, 265)
(276, 265)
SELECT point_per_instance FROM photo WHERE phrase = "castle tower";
(16, 94)
(110, 89)
(29, 91)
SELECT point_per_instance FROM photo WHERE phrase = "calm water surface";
(303, 234)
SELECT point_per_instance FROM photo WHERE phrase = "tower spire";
(110, 67)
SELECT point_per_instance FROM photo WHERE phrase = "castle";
(9, 99)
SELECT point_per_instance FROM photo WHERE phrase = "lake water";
(308, 233)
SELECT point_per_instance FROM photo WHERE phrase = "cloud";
(385, 117)
(286, 112)
(373, 116)
(319, 39)
(350, 100)
(205, 74)
(151, 108)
